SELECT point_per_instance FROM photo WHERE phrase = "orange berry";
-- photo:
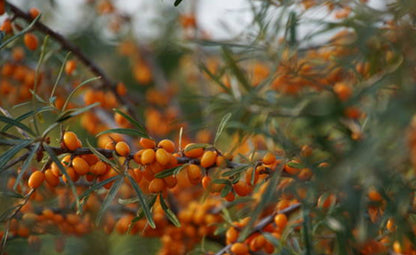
(72, 174)
(373, 195)
(147, 143)
(239, 249)
(162, 157)
(170, 181)
(6, 27)
(121, 89)
(31, 41)
(326, 201)
(51, 178)
(206, 182)
(208, 159)
(220, 161)
(194, 173)
(280, 220)
(156, 185)
(71, 141)
(242, 188)
(269, 158)
(230, 196)
(70, 66)
(36, 179)
(291, 170)
(168, 145)
(138, 156)
(193, 153)
(343, 91)
(99, 168)
(122, 149)
(80, 166)
(231, 235)
(34, 12)
(148, 156)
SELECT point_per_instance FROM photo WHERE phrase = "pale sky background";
(222, 19)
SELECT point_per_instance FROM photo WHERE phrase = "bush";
(295, 137)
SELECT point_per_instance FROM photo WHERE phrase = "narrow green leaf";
(198, 145)
(74, 112)
(227, 188)
(9, 154)
(239, 74)
(222, 126)
(171, 216)
(109, 197)
(55, 159)
(235, 171)
(273, 240)
(101, 156)
(128, 201)
(140, 212)
(221, 181)
(124, 131)
(16, 123)
(170, 171)
(133, 122)
(97, 186)
(82, 84)
(11, 194)
(142, 200)
(22, 32)
(61, 70)
(216, 79)
(25, 166)
(295, 165)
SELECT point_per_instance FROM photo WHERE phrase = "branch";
(263, 223)
(65, 44)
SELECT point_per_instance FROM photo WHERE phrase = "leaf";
(170, 171)
(26, 29)
(235, 171)
(222, 126)
(295, 165)
(128, 201)
(75, 90)
(16, 123)
(25, 166)
(273, 240)
(74, 112)
(227, 188)
(64, 172)
(109, 197)
(171, 216)
(177, 2)
(142, 200)
(216, 79)
(197, 145)
(133, 122)
(97, 186)
(124, 131)
(101, 156)
(24, 116)
(61, 70)
(239, 74)
(11, 194)
(6, 156)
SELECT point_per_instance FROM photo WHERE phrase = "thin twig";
(94, 68)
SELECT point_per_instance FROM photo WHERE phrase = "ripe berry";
(162, 157)
(231, 235)
(208, 159)
(50, 178)
(156, 185)
(80, 166)
(71, 141)
(122, 149)
(70, 67)
(194, 173)
(147, 143)
(242, 188)
(148, 156)
(193, 153)
(280, 220)
(167, 144)
(31, 41)
(269, 158)
(34, 12)
(36, 179)
(239, 249)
